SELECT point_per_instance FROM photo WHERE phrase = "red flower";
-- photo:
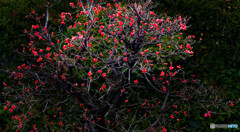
(130, 23)
(102, 34)
(136, 81)
(179, 66)
(164, 129)
(184, 81)
(171, 68)
(125, 59)
(99, 71)
(89, 74)
(101, 26)
(164, 89)
(208, 114)
(102, 88)
(59, 108)
(143, 71)
(153, 78)
(71, 4)
(152, 13)
(162, 74)
(39, 59)
(185, 112)
(5, 108)
(61, 123)
(89, 44)
(67, 40)
(104, 74)
(142, 53)
(146, 61)
(48, 48)
(95, 60)
(36, 81)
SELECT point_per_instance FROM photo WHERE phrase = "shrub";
(108, 68)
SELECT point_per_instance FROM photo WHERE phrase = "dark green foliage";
(217, 57)
(217, 23)
(12, 25)
(13, 21)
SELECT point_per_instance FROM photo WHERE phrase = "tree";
(107, 68)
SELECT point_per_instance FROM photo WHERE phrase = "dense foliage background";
(216, 59)
(13, 21)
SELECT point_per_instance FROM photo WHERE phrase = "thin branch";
(47, 18)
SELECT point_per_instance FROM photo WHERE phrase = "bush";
(108, 68)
